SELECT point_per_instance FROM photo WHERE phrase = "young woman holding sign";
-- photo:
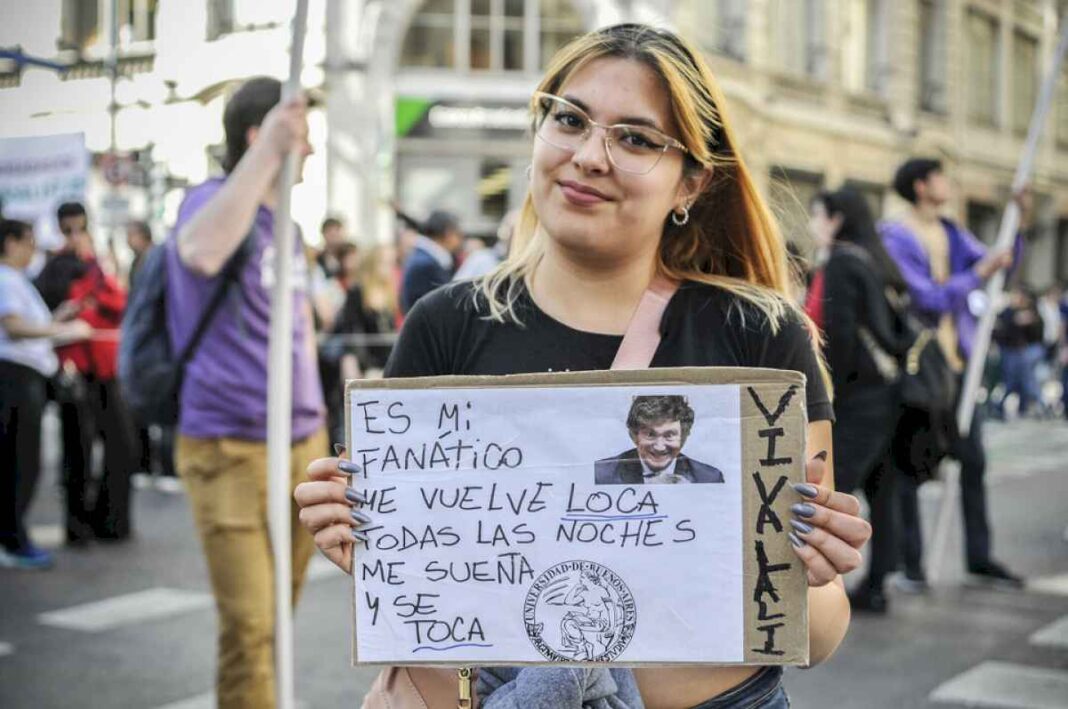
(635, 178)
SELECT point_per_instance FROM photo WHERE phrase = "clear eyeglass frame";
(633, 164)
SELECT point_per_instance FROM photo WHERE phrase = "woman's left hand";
(828, 531)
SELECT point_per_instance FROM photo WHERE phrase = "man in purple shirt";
(944, 266)
(221, 448)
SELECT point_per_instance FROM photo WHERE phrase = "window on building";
(137, 20)
(430, 41)
(513, 35)
(871, 192)
(81, 24)
(495, 35)
(220, 18)
(560, 23)
(790, 194)
(981, 37)
(932, 32)
(717, 25)
(863, 50)
(85, 23)
(1024, 79)
(798, 42)
(983, 221)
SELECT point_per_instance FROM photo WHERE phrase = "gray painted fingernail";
(355, 496)
(803, 509)
(347, 466)
(361, 537)
(339, 448)
(795, 523)
(796, 540)
(360, 517)
(806, 489)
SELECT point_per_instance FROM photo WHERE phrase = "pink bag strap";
(643, 333)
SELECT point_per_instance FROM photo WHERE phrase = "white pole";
(279, 394)
(1010, 222)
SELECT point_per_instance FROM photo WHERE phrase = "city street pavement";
(132, 625)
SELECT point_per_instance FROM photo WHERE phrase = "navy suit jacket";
(422, 274)
(626, 469)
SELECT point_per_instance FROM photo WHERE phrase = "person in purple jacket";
(944, 267)
(221, 448)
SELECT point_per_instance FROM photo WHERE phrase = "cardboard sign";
(631, 517)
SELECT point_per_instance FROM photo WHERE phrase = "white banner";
(37, 174)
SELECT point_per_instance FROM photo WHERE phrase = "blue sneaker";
(27, 557)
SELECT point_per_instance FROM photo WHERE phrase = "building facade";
(176, 63)
(833, 92)
(425, 100)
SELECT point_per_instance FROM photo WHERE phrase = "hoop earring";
(684, 219)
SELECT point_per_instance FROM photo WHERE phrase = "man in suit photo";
(659, 427)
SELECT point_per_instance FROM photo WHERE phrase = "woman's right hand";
(330, 509)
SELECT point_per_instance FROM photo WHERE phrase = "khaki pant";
(226, 480)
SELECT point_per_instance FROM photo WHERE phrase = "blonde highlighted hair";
(731, 240)
(379, 291)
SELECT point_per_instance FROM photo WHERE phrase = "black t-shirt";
(447, 333)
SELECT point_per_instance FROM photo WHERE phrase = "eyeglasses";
(630, 148)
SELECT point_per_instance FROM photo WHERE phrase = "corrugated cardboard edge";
(776, 631)
(792, 584)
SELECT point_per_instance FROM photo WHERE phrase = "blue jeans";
(763, 690)
(1018, 373)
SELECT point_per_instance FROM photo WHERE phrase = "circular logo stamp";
(579, 611)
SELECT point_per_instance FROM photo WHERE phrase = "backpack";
(150, 372)
(926, 389)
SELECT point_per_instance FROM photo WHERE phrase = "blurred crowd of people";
(898, 304)
(59, 343)
(895, 301)
(207, 285)
(360, 294)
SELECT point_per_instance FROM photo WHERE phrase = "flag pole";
(1010, 222)
(280, 390)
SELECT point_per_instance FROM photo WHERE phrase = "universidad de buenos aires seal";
(579, 611)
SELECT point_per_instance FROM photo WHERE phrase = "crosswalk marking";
(130, 609)
(1053, 635)
(1007, 686)
(1052, 585)
(201, 701)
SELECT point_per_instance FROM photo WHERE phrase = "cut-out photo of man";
(659, 427)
